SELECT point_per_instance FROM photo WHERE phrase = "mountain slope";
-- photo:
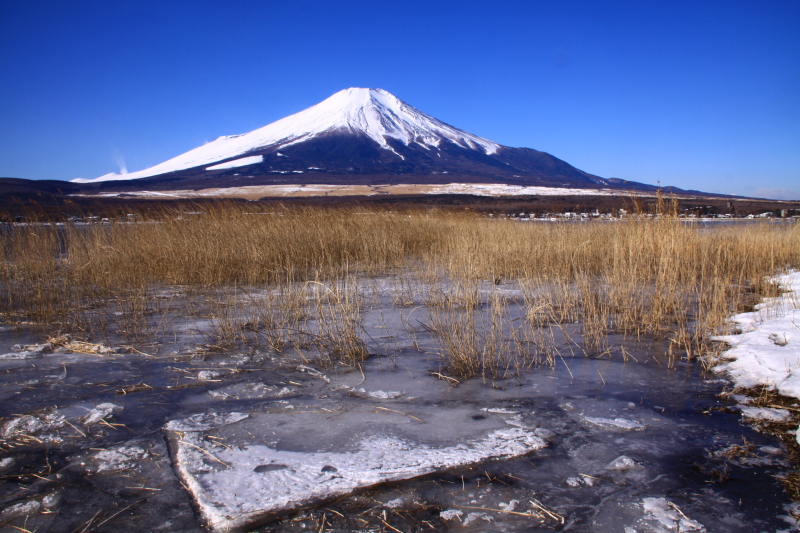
(355, 135)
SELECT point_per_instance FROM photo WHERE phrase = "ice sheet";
(237, 485)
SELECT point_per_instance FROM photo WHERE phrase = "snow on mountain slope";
(243, 162)
(372, 112)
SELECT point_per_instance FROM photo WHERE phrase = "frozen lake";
(182, 435)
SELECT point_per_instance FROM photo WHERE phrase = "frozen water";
(602, 448)
(667, 517)
(234, 487)
(204, 421)
(766, 413)
(99, 413)
(118, 458)
(20, 510)
(623, 462)
(621, 423)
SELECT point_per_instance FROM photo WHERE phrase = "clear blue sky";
(697, 94)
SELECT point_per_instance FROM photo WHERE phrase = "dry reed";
(659, 278)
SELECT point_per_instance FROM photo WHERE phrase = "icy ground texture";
(372, 112)
(236, 486)
(767, 352)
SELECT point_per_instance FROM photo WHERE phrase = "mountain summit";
(358, 136)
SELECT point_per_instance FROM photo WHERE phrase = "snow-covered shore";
(767, 351)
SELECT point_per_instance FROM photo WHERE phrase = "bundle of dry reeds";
(661, 278)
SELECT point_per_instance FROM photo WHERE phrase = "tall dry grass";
(658, 278)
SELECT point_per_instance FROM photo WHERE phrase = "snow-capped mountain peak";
(374, 113)
(379, 114)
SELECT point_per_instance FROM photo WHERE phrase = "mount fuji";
(356, 136)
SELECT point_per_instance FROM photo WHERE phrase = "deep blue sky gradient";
(700, 95)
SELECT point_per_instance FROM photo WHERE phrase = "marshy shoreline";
(342, 290)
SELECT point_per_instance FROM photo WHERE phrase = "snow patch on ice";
(510, 506)
(6, 463)
(667, 515)
(622, 423)
(623, 462)
(100, 412)
(119, 458)
(394, 504)
(27, 351)
(238, 486)
(34, 425)
(18, 510)
(313, 372)
(471, 517)
(385, 395)
(451, 514)
(205, 421)
(500, 410)
(766, 413)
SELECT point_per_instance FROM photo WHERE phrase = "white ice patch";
(250, 391)
(18, 510)
(394, 504)
(32, 425)
(621, 423)
(100, 412)
(386, 395)
(766, 413)
(241, 162)
(510, 506)
(119, 458)
(667, 515)
(451, 514)
(500, 410)
(471, 517)
(381, 395)
(313, 372)
(205, 421)
(623, 462)
(234, 487)
(27, 351)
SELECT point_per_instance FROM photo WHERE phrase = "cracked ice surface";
(235, 487)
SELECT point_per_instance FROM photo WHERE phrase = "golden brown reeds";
(658, 277)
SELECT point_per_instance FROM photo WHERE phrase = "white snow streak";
(243, 162)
